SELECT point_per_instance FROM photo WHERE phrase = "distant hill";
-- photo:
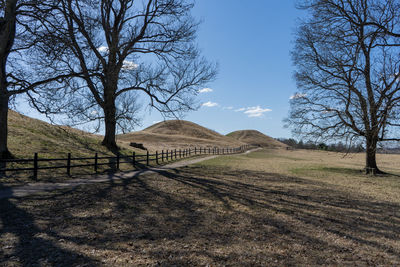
(178, 134)
(254, 137)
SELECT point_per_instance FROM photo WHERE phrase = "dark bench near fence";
(134, 159)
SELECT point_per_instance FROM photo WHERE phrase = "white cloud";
(210, 104)
(253, 112)
(297, 95)
(206, 90)
(129, 65)
(102, 49)
(228, 108)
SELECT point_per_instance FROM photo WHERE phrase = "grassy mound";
(254, 137)
(178, 134)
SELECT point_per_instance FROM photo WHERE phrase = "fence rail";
(158, 157)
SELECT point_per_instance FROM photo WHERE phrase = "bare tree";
(18, 28)
(348, 73)
(121, 52)
(7, 36)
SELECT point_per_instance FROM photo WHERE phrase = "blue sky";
(251, 41)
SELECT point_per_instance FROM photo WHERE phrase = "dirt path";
(22, 191)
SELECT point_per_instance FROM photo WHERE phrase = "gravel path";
(26, 190)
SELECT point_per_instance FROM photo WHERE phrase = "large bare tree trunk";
(110, 125)
(4, 153)
(370, 156)
(7, 36)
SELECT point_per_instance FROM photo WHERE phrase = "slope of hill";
(254, 137)
(178, 134)
(27, 136)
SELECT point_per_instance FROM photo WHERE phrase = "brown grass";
(28, 135)
(259, 209)
(337, 169)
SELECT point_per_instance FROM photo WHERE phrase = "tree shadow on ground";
(29, 245)
(198, 216)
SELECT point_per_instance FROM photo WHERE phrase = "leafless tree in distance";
(121, 52)
(347, 58)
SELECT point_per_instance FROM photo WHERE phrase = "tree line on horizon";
(335, 147)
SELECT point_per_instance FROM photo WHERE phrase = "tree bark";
(4, 153)
(7, 36)
(370, 160)
(110, 127)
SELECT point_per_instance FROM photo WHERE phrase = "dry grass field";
(268, 208)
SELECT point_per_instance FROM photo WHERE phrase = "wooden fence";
(134, 160)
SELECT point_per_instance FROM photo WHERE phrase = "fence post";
(35, 166)
(147, 158)
(172, 155)
(175, 153)
(190, 152)
(117, 161)
(95, 163)
(134, 159)
(69, 164)
(162, 155)
(167, 154)
(156, 157)
(195, 150)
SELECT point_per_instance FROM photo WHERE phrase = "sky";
(251, 41)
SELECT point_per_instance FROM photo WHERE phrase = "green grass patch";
(306, 170)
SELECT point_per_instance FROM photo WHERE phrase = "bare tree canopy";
(119, 52)
(347, 59)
